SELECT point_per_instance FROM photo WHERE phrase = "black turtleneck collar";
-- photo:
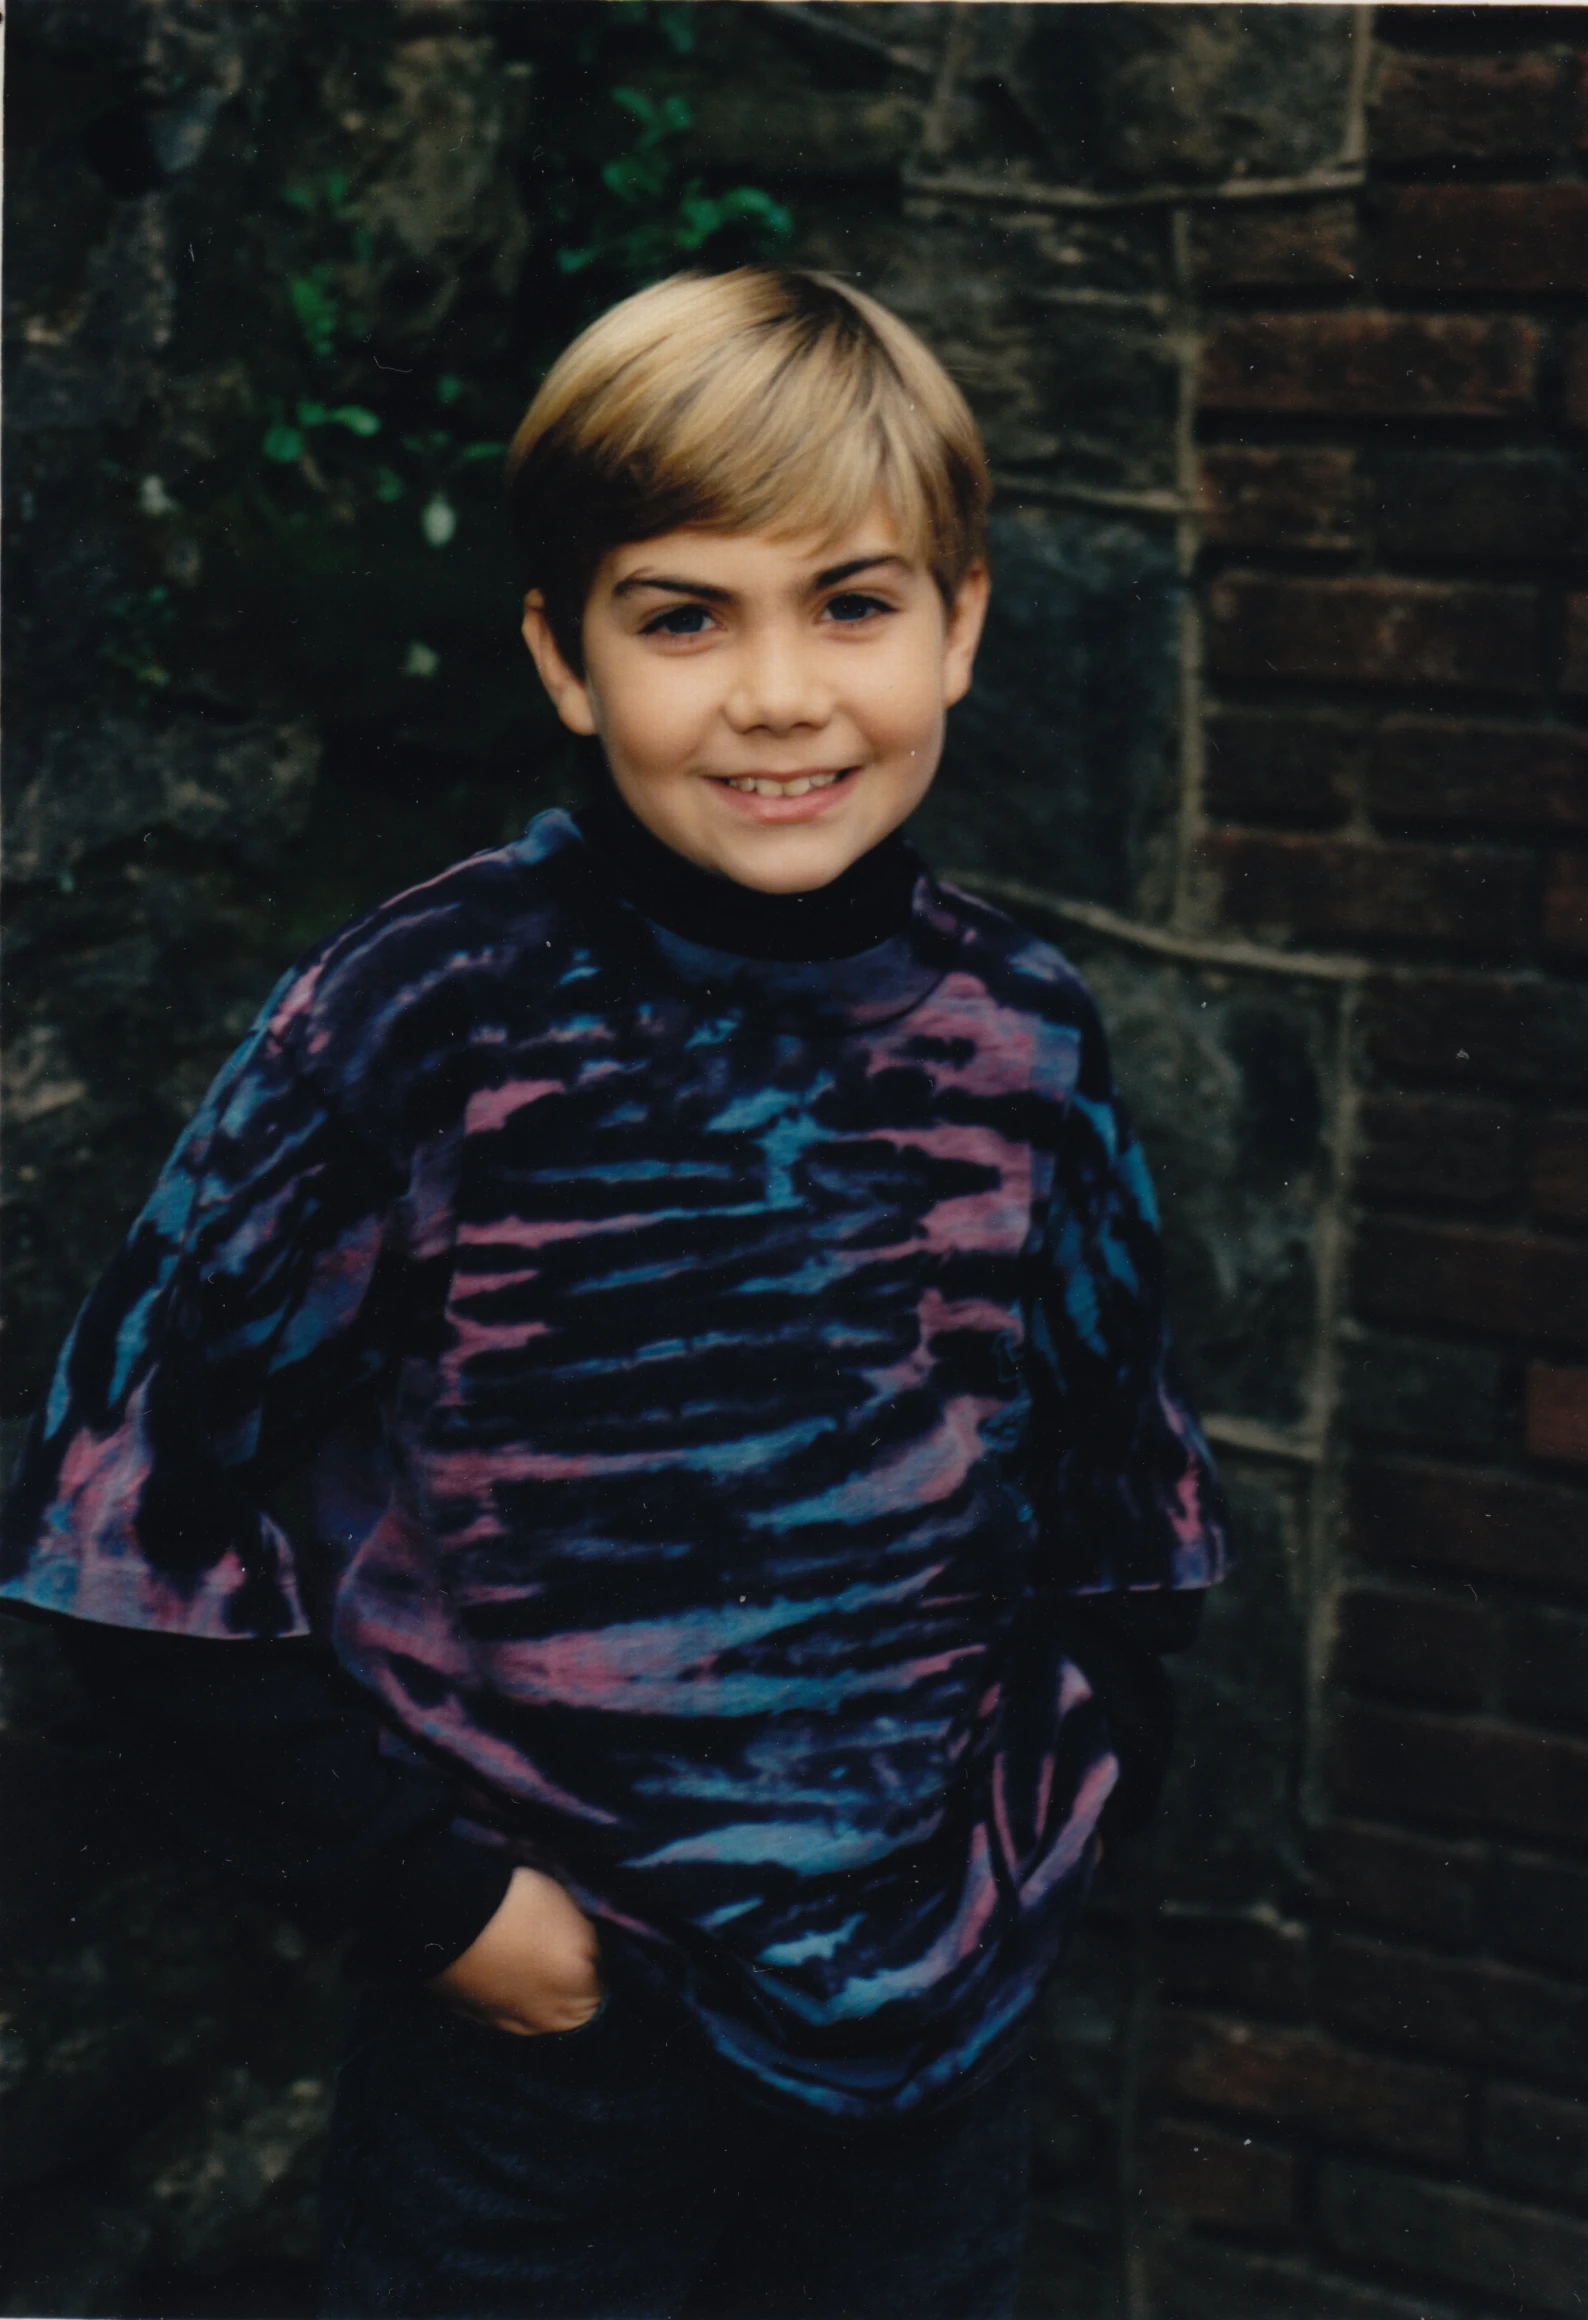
(870, 902)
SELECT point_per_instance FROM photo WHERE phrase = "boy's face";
(769, 708)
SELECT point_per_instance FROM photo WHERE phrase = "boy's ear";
(569, 693)
(963, 633)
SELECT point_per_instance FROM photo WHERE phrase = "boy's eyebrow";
(836, 572)
(676, 586)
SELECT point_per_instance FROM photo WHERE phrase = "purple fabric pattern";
(712, 1375)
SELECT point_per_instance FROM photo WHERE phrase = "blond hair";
(767, 399)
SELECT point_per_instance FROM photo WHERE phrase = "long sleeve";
(252, 1301)
(257, 1300)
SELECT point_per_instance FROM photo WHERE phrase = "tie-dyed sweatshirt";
(683, 1389)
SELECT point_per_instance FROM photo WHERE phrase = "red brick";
(1345, 890)
(1214, 2178)
(1520, 505)
(1462, 2009)
(1443, 769)
(1557, 1414)
(1276, 249)
(1429, 1392)
(1280, 769)
(1566, 906)
(1574, 646)
(1352, 365)
(1501, 1030)
(1574, 379)
(1546, 1670)
(1374, 632)
(1434, 108)
(1435, 1148)
(1557, 1184)
(1411, 1647)
(1417, 1515)
(1503, 1284)
(1525, 2256)
(1390, 1761)
(1280, 499)
(1298, 2078)
(1535, 2142)
(1419, 1883)
(1523, 239)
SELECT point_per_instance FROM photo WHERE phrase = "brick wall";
(1379, 2099)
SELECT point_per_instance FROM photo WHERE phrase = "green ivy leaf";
(448, 388)
(355, 419)
(282, 443)
(677, 29)
(317, 312)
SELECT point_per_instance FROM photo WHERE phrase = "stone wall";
(1268, 317)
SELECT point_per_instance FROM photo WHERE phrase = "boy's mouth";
(784, 785)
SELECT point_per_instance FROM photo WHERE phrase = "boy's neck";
(867, 904)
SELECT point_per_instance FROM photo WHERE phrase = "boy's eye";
(679, 620)
(853, 605)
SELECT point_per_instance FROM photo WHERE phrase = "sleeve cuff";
(431, 1904)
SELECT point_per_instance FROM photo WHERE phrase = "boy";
(703, 1273)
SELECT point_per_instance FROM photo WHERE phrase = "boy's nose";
(777, 688)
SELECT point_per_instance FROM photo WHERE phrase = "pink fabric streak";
(518, 1232)
(102, 1480)
(940, 1316)
(1094, 1792)
(296, 1000)
(491, 1108)
(960, 1009)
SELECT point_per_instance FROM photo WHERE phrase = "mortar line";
(1135, 503)
(1334, 1236)
(1353, 143)
(1018, 193)
(937, 126)
(1333, 1244)
(1232, 955)
(1255, 1439)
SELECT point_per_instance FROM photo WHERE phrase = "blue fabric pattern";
(712, 1375)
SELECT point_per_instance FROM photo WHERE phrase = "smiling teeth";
(756, 785)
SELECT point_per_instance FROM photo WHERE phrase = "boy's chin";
(780, 864)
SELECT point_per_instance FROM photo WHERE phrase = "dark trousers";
(616, 2173)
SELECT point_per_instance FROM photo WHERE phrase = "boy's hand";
(534, 1968)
